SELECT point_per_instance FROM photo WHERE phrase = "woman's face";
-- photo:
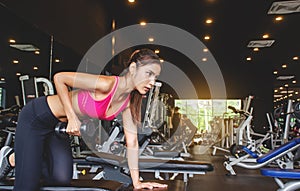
(145, 77)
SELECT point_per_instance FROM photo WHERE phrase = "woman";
(99, 96)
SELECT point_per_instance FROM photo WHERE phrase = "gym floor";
(246, 179)
(218, 180)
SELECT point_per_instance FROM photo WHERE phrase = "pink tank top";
(98, 108)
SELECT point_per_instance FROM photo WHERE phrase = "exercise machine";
(282, 157)
(33, 87)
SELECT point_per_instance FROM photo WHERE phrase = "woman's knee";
(61, 179)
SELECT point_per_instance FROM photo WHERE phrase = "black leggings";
(41, 156)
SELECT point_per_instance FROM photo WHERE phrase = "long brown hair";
(140, 57)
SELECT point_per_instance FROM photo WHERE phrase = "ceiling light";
(286, 92)
(150, 39)
(248, 58)
(2, 81)
(284, 7)
(279, 18)
(295, 58)
(143, 23)
(156, 51)
(12, 41)
(260, 43)
(208, 21)
(265, 36)
(256, 49)
(275, 72)
(206, 38)
(15, 61)
(284, 66)
(24, 47)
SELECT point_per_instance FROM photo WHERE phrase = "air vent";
(25, 47)
(284, 7)
(285, 77)
(260, 43)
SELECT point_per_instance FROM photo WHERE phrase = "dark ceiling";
(76, 25)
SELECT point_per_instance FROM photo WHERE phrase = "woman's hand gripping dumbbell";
(87, 127)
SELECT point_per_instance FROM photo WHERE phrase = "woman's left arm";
(130, 131)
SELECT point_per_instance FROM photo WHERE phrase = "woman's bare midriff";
(56, 105)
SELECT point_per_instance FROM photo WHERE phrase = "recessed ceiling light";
(143, 23)
(206, 37)
(287, 92)
(279, 18)
(12, 41)
(265, 36)
(150, 39)
(277, 95)
(209, 21)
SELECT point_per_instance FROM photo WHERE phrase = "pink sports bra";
(98, 108)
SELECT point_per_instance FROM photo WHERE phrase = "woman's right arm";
(90, 82)
(62, 83)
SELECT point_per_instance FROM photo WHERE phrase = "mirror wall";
(27, 50)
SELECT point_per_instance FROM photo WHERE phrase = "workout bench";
(279, 174)
(273, 156)
(116, 168)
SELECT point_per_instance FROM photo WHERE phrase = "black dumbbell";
(88, 127)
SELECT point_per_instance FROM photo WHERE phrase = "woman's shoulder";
(106, 83)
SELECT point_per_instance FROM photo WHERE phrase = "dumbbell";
(88, 127)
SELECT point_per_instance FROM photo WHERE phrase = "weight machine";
(31, 87)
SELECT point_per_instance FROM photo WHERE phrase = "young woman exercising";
(42, 158)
